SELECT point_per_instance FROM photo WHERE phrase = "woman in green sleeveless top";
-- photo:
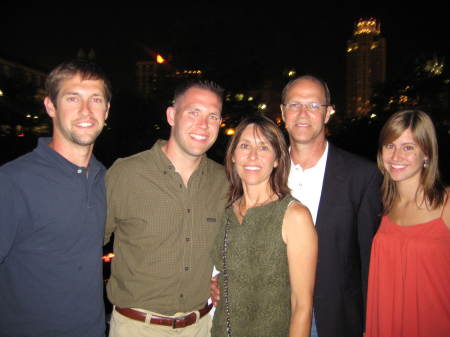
(267, 249)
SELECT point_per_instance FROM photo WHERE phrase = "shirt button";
(186, 268)
(188, 239)
(181, 295)
(79, 171)
(189, 210)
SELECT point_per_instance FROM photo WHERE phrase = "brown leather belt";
(174, 322)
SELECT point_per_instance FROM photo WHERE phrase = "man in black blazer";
(342, 192)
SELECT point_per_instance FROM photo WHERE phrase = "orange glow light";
(229, 132)
(160, 59)
(108, 257)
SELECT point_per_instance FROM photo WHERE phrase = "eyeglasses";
(313, 107)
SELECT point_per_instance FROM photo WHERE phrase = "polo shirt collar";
(45, 151)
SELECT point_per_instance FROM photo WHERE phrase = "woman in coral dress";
(409, 278)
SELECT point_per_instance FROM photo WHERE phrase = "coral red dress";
(409, 281)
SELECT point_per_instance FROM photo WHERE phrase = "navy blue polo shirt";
(52, 216)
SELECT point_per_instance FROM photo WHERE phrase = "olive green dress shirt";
(163, 231)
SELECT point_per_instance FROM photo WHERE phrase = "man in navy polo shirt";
(52, 214)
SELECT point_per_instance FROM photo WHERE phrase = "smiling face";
(304, 125)
(195, 120)
(79, 112)
(403, 159)
(254, 157)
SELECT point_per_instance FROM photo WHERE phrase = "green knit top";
(258, 281)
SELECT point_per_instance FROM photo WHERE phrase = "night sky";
(240, 45)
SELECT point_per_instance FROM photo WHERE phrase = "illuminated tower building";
(366, 65)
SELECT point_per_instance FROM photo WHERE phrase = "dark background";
(238, 45)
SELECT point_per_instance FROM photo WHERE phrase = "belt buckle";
(174, 323)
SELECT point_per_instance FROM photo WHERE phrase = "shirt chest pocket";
(208, 225)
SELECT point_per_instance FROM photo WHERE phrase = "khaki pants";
(122, 326)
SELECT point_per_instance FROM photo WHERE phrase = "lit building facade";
(147, 78)
(154, 76)
(22, 90)
(22, 74)
(366, 66)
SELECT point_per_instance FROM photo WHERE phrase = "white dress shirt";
(306, 185)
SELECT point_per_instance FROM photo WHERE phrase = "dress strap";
(445, 203)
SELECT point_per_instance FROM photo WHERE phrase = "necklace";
(241, 207)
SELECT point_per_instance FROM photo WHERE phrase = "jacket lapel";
(333, 185)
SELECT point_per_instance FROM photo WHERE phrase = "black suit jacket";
(348, 217)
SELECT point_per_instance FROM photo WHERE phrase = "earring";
(425, 163)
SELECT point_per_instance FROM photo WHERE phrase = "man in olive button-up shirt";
(165, 207)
